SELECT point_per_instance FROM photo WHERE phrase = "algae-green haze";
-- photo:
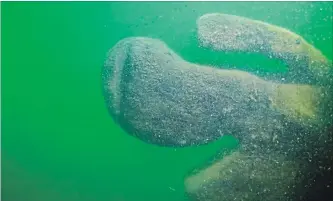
(58, 140)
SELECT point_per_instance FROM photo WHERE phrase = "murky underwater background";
(58, 141)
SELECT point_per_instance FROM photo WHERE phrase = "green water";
(59, 142)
